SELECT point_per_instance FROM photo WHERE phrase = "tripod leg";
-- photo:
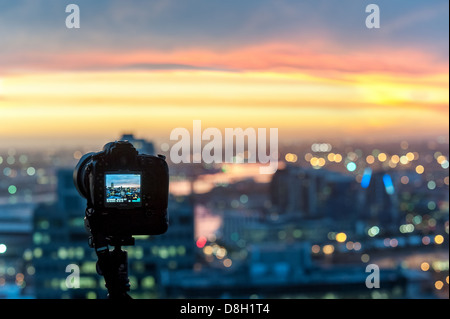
(113, 265)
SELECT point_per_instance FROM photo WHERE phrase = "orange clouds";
(265, 57)
(303, 92)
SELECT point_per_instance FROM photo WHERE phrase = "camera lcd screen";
(123, 189)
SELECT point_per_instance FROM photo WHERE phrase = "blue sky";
(37, 26)
(125, 180)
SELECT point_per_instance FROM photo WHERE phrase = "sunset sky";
(310, 68)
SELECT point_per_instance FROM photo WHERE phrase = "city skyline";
(123, 180)
(238, 229)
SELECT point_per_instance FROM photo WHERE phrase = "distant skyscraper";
(380, 201)
(141, 145)
(312, 193)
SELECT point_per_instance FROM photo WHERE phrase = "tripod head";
(111, 264)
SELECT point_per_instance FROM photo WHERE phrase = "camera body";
(127, 191)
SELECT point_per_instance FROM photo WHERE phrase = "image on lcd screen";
(123, 188)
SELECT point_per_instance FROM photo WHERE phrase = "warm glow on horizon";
(155, 102)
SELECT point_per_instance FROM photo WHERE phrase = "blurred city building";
(287, 271)
(312, 193)
(15, 236)
(380, 201)
(142, 146)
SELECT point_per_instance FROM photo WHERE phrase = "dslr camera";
(127, 192)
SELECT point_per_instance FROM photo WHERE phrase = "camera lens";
(79, 175)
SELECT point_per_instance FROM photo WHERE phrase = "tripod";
(111, 264)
